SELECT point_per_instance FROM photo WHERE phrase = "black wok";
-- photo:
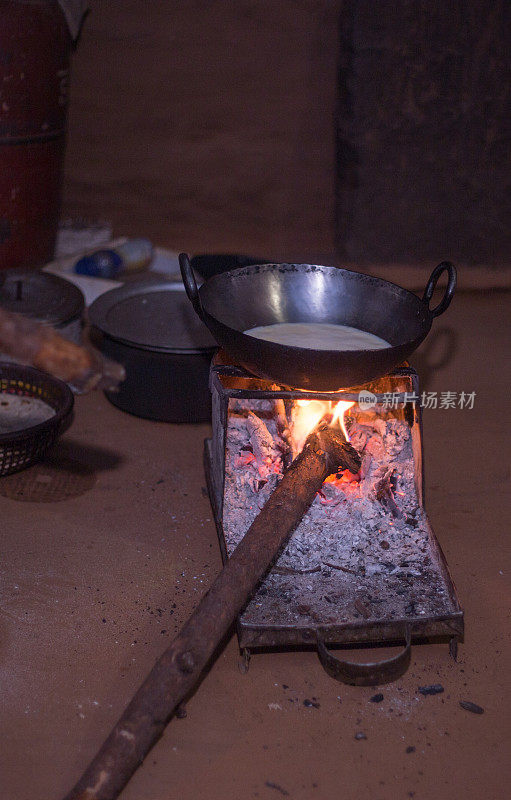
(265, 294)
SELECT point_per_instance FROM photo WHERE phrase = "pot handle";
(368, 674)
(445, 266)
(190, 284)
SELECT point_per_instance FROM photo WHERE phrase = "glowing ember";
(308, 413)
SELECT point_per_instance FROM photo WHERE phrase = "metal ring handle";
(445, 266)
(190, 284)
(368, 674)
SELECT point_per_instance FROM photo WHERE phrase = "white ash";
(362, 551)
(18, 413)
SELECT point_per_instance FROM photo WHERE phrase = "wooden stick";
(179, 668)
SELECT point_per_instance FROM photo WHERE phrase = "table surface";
(95, 586)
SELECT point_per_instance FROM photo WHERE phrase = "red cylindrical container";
(35, 46)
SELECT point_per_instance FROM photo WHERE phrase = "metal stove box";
(382, 598)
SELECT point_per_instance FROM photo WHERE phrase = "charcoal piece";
(362, 608)
(277, 788)
(260, 438)
(376, 698)
(473, 707)
(434, 688)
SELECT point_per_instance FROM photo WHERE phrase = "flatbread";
(318, 336)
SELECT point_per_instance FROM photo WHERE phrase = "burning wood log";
(385, 495)
(31, 342)
(262, 441)
(178, 670)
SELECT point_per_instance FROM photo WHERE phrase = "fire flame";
(308, 413)
(338, 415)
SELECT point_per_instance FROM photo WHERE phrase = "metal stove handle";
(190, 284)
(445, 266)
(369, 674)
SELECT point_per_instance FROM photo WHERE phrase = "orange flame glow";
(308, 413)
(338, 415)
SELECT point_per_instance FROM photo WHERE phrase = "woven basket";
(19, 449)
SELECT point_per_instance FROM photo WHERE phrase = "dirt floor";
(95, 586)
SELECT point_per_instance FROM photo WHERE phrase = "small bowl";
(20, 449)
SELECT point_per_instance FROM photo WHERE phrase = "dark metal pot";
(44, 297)
(149, 327)
(264, 294)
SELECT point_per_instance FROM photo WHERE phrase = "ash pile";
(364, 550)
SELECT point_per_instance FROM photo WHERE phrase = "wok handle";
(445, 266)
(190, 283)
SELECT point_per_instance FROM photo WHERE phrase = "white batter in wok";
(318, 336)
